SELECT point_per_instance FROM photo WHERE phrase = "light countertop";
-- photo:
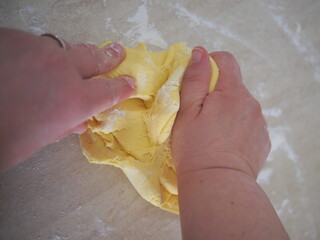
(56, 194)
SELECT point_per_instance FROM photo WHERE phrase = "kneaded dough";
(135, 135)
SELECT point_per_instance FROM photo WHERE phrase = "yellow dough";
(135, 135)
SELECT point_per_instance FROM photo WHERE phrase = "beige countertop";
(56, 194)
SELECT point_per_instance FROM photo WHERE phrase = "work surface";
(56, 194)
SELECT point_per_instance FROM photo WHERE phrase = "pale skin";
(219, 143)
(48, 92)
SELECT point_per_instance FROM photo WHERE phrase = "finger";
(91, 62)
(101, 94)
(77, 45)
(81, 128)
(67, 44)
(229, 71)
(85, 45)
(56, 41)
(196, 79)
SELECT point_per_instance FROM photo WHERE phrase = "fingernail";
(130, 81)
(114, 50)
(196, 55)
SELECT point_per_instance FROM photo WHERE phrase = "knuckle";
(184, 109)
(83, 97)
(192, 75)
(94, 62)
(112, 91)
(102, 60)
(250, 102)
(227, 55)
(109, 87)
(56, 59)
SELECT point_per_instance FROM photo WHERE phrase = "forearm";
(225, 204)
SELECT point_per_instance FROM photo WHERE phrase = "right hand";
(221, 129)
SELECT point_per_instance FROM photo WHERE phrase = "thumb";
(101, 94)
(195, 84)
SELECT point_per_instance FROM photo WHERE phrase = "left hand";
(47, 92)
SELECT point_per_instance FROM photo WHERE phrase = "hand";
(219, 144)
(221, 129)
(47, 92)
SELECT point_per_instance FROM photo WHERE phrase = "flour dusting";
(102, 228)
(304, 47)
(105, 2)
(265, 175)
(285, 206)
(278, 136)
(108, 24)
(112, 117)
(143, 31)
(279, 142)
(272, 112)
(57, 237)
(33, 20)
(260, 92)
(165, 98)
(194, 21)
(143, 79)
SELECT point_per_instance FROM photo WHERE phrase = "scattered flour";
(105, 2)
(57, 237)
(285, 206)
(194, 20)
(265, 175)
(302, 46)
(278, 136)
(112, 116)
(102, 228)
(35, 22)
(272, 112)
(143, 79)
(142, 30)
(260, 92)
(108, 24)
(279, 141)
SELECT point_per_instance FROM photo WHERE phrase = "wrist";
(218, 160)
(225, 203)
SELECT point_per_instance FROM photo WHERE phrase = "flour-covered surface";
(57, 195)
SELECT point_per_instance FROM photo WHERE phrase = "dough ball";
(135, 135)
